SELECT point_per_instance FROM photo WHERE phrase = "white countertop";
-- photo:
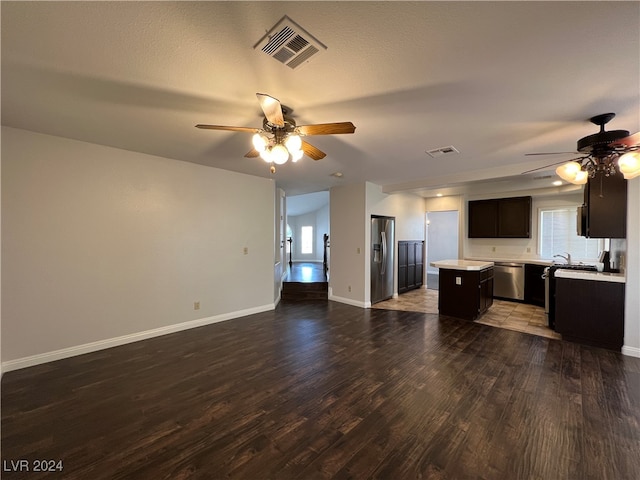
(586, 275)
(462, 264)
(534, 261)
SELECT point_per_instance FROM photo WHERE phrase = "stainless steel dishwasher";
(508, 280)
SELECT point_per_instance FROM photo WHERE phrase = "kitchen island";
(466, 288)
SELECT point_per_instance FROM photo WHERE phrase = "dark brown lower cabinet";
(410, 264)
(590, 312)
(465, 293)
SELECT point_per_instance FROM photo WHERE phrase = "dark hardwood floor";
(305, 281)
(306, 272)
(327, 390)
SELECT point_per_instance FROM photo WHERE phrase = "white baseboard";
(631, 351)
(133, 337)
(348, 301)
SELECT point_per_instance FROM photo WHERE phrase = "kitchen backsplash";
(526, 250)
(501, 248)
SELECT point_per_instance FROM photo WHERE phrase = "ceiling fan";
(600, 153)
(280, 136)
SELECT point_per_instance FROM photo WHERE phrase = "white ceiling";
(494, 79)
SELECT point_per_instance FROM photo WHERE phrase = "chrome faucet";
(567, 258)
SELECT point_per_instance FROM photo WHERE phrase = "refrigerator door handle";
(383, 238)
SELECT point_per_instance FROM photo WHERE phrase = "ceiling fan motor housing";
(289, 125)
(600, 141)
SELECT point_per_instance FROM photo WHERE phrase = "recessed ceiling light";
(438, 194)
(337, 174)
(557, 183)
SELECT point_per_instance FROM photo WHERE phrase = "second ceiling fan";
(605, 152)
(280, 138)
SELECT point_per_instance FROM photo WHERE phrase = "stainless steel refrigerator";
(382, 242)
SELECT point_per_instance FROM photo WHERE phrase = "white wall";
(102, 246)
(632, 297)
(347, 261)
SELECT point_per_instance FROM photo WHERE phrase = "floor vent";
(438, 152)
(290, 44)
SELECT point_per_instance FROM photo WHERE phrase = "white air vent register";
(290, 44)
(438, 152)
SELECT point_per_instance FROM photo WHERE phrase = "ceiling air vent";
(290, 44)
(439, 152)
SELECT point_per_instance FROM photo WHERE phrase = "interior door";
(442, 241)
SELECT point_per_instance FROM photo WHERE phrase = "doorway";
(442, 241)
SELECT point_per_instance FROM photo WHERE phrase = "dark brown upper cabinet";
(605, 207)
(500, 218)
(483, 216)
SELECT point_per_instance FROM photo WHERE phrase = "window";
(306, 239)
(558, 234)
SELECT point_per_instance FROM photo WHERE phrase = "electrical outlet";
(358, 250)
(196, 305)
(528, 249)
(245, 250)
(458, 280)
(349, 288)
(493, 249)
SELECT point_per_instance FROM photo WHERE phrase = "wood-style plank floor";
(327, 390)
(306, 272)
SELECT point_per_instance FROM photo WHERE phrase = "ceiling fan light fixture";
(293, 142)
(581, 178)
(296, 155)
(279, 136)
(629, 165)
(266, 155)
(260, 142)
(279, 154)
(569, 171)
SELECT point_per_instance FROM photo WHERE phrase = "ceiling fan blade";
(252, 153)
(551, 153)
(225, 127)
(271, 108)
(326, 128)
(630, 141)
(311, 151)
(552, 165)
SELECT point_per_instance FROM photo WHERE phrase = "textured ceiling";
(494, 79)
